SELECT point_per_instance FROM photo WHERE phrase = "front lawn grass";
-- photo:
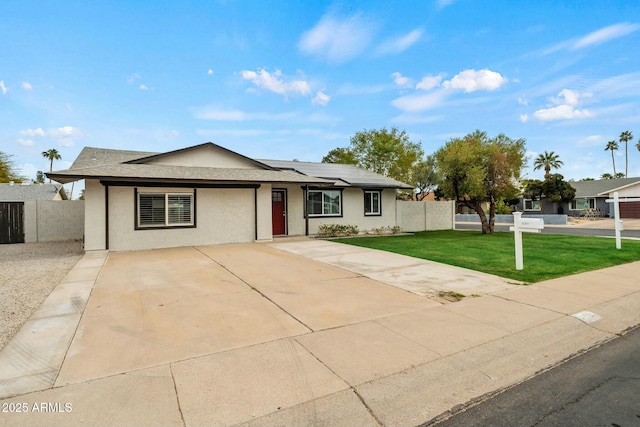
(546, 256)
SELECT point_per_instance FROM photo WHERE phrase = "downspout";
(306, 210)
(255, 212)
(106, 217)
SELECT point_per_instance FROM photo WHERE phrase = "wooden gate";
(11, 222)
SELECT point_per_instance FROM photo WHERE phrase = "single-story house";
(207, 194)
(591, 197)
(11, 192)
(13, 197)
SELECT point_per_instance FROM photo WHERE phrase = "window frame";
(591, 204)
(323, 214)
(167, 223)
(532, 209)
(372, 212)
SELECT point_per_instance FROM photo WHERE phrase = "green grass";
(546, 256)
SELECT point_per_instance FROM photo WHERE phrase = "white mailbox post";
(526, 225)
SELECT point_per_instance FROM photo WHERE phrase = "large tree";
(7, 169)
(51, 154)
(426, 177)
(554, 188)
(625, 137)
(547, 161)
(612, 146)
(387, 152)
(476, 169)
(340, 155)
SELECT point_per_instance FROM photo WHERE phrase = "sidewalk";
(402, 367)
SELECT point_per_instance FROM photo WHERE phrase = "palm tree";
(547, 161)
(51, 154)
(625, 137)
(612, 146)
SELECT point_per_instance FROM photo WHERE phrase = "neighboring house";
(207, 194)
(12, 206)
(27, 191)
(591, 198)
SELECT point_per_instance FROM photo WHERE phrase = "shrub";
(384, 230)
(337, 230)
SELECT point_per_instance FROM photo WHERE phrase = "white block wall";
(53, 220)
(422, 216)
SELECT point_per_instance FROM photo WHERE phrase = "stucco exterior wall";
(210, 157)
(421, 216)
(353, 212)
(53, 220)
(94, 217)
(265, 229)
(631, 191)
(222, 216)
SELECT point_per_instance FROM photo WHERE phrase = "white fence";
(421, 216)
(53, 220)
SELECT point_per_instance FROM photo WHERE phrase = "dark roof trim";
(179, 184)
(196, 147)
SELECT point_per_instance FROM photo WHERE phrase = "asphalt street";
(573, 231)
(598, 388)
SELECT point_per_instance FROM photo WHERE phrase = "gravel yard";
(28, 274)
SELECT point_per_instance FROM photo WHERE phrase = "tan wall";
(353, 212)
(421, 216)
(265, 228)
(53, 220)
(207, 156)
(631, 191)
(94, 216)
(222, 216)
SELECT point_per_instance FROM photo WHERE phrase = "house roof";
(601, 187)
(26, 192)
(136, 166)
(350, 175)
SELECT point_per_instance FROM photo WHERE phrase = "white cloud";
(400, 80)
(561, 112)
(213, 113)
(64, 135)
(565, 107)
(441, 4)
(523, 101)
(605, 34)
(400, 44)
(592, 141)
(276, 82)
(429, 82)
(26, 86)
(472, 80)
(3, 88)
(337, 39)
(210, 72)
(25, 142)
(32, 132)
(524, 118)
(420, 101)
(174, 133)
(321, 98)
(143, 87)
(132, 78)
(570, 97)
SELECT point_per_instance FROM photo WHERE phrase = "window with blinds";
(165, 210)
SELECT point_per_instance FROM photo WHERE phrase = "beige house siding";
(631, 191)
(353, 212)
(264, 213)
(222, 216)
(210, 157)
(94, 218)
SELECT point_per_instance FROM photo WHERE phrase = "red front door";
(279, 212)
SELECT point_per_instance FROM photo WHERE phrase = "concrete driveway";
(251, 334)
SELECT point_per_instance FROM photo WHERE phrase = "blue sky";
(285, 80)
